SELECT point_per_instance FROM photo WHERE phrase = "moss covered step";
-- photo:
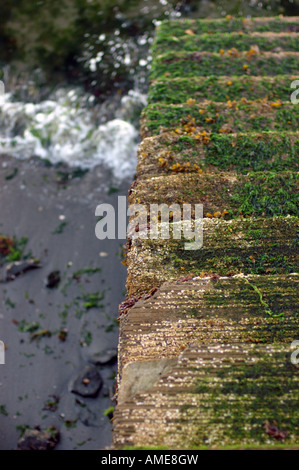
(230, 117)
(181, 64)
(228, 43)
(264, 194)
(230, 24)
(174, 153)
(180, 90)
(215, 396)
(250, 246)
(254, 308)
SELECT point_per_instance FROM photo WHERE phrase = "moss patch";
(255, 194)
(230, 117)
(181, 64)
(180, 89)
(226, 25)
(227, 42)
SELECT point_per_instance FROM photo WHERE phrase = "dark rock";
(53, 279)
(89, 418)
(36, 439)
(87, 383)
(20, 267)
(108, 356)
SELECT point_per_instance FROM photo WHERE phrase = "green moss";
(269, 195)
(239, 117)
(257, 152)
(219, 89)
(230, 248)
(263, 390)
(180, 64)
(265, 194)
(215, 42)
(226, 25)
(224, 261)
(269, 302)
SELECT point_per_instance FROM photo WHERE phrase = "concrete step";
(171, 153)
(228, 43)
(215, 395)
(203, 64)
(254, 194)
(229, 24)
(221, 88)
(247, 246)
(230, 117)
(210, 310)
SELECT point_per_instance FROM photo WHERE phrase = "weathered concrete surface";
(216, 396)
(210, 310)
(205, 335)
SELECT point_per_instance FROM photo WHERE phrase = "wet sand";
(59, 221)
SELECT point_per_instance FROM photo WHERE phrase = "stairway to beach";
(206, 349)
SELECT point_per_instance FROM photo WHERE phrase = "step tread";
(242, 152)
(230, 24)
(220, 88)
(215, 395)
(176, 64)
(252, 194)
(229, 117)
(240, 246)
(228, 43)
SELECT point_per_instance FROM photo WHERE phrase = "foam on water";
(66, 129)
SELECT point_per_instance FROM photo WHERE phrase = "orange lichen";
(190, 32)
(233, 52)
(275, 104)
(232, 104)
(203, 137)
(253, 51)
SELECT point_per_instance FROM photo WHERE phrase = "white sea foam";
(65, 129)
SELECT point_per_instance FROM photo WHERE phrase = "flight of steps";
(205, 335)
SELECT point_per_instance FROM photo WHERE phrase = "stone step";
(223, 88)
(228, 43)
(230, 247)
(265, 194)
(196, 64)
(210, 310)
(230, 117)
(171, 153)
(216, 395)
(230, 24)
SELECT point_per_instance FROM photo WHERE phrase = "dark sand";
(30, 205)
